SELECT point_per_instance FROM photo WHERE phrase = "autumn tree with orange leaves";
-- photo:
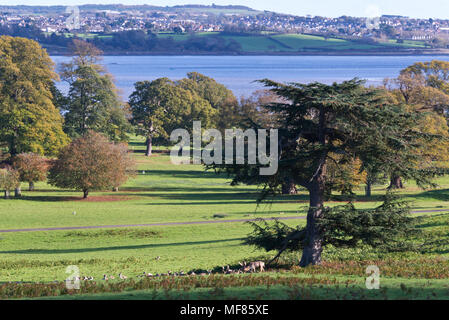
(31, 168)
(91, 163)
(424, 88)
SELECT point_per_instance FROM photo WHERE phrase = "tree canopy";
(31, 168)
(158, 107)
(30, 121)
(9, 180)
(92, 102)
(91, 163)
(423, 88)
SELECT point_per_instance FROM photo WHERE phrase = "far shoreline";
(429, 52)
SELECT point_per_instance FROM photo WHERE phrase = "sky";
(328, 8)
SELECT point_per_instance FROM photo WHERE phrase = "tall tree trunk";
(12, 146)
(31, 186)
(289, 187)
(313, 246)
(7, 193)
(396, 183)
(85, 194)
(18, 192)
(368, 187)
(149, 144)
(115, 189)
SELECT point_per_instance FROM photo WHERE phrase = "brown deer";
(253, 266)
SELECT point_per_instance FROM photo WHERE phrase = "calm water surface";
(239, 72)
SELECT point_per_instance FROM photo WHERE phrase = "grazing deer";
(252, 266)
(245, 267)
(226, 270)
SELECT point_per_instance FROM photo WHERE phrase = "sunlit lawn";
(162, 192)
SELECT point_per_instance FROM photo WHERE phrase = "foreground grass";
(163, 192)
(329, 281)
(391, 290)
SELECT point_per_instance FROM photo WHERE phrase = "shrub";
(387, 227)
(9, 180)
(31, 167)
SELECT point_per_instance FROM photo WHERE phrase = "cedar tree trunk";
(313, 246)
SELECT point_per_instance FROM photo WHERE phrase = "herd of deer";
(244, 268)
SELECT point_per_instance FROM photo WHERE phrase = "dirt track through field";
(176, 223)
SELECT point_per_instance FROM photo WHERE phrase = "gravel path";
(175, 223)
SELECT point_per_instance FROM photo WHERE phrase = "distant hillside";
(221, 43)
(23, 9)
(214, 6)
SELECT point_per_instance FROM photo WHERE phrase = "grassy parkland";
(35, 263)
(366, 166)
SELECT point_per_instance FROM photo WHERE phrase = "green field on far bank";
(295, 42)
(288, 43)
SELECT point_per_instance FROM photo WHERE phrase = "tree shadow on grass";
(199, 188)
(99, 249)
(49, 198)
(432, 224)
(210, 198)
(440, 195)
(187, 174)
(48, 191)
(192, 195)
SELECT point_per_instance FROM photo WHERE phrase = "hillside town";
(236, 19)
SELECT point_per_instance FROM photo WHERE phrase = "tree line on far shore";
(137, 41)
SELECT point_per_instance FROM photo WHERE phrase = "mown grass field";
(294, 42)
(163, 192)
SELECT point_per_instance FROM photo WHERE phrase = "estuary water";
(238, 73)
